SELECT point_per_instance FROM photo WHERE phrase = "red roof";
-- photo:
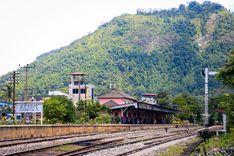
(150, 94)
(111, 104)
(116, 94)
(77, 73)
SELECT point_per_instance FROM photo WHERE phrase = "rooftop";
(116, 94)
(111, 104)
(150, 94)
(77, 73)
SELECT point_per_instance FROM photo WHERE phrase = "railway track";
(109, 144)
(98, 142)
(191, 147)
(152, 144)
(13, 142)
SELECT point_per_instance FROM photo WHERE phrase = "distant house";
(3, 104)
(116, 97)
(149, 98)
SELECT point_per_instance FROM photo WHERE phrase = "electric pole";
(14, 81)
(27, 67)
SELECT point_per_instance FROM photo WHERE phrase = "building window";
(83, 91)
(76, 82)
(75, 91)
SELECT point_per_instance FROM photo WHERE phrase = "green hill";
(152, 51)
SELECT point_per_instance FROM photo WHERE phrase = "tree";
(227, 104)
(163, 98)
(226, 101)
(226, 73)
(189, 106)
(6, 93)
(92, 112)
(59, 109)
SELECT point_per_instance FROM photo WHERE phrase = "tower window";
(75, 91)
(83, 91)
(77, 83)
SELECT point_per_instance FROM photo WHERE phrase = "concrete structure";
(35, 131)
(78, 89)
(132, 111)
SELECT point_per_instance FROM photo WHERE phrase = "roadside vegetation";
(59, 109)
(218, 146)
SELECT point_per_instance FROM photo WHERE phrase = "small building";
(4, 104)
(149, 98)
(78, 89)
(116, 96)
(132, 111)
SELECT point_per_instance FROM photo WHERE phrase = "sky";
(29, 28)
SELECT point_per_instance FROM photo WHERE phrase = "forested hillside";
(151, 51)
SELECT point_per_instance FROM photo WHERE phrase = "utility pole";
(206, 73)
(14, 81)
(27, 67)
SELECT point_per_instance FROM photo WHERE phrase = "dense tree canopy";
(59, 109)
(190, 108)
(90, 111)
(225, 102)
(226, 74)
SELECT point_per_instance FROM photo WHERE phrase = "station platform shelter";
(132, 111)
(142, 113)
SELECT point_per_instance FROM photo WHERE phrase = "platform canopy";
(145, 106)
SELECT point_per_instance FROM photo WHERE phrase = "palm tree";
(6, 93)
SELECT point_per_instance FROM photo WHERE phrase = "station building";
(133, 111)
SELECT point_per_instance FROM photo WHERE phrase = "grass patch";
(176, 150)
(223, 141)
(66, 148)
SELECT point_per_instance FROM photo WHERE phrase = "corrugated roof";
(116, 94)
